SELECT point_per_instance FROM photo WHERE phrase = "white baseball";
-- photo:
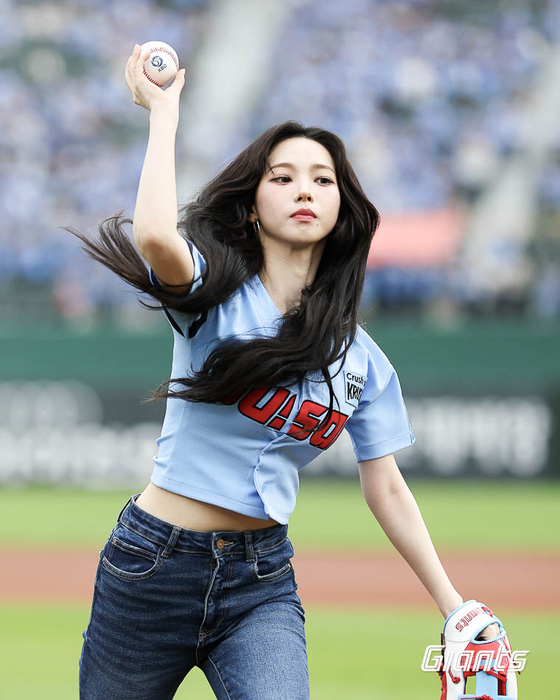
(162, 64)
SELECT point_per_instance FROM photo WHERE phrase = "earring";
(257, 227)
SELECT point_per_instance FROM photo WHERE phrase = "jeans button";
(220, 543)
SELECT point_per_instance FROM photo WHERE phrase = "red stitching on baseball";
(164, 50)
(151, 79)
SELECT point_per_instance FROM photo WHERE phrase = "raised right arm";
(155, 214)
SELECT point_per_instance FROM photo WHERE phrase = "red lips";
(304, 212)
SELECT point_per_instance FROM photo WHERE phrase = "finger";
(128, 81)
(178, 81)
(131, 60)
(128, 77)
(136, 55)
(127, 65)
(138, 69)
(142, 58)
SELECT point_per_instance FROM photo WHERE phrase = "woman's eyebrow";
(315, 166)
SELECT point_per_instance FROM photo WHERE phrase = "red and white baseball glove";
(463, 655)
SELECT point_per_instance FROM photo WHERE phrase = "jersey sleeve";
(380, 424)
(181, 321)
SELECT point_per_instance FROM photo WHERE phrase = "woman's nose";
(304, 197)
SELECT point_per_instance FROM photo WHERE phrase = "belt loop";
(171, 542)
(126, 506)
(250, 552)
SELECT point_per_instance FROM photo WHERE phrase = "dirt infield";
(521, 581)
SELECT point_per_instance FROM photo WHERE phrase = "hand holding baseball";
(145, 91)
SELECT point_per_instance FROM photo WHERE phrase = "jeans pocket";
(131, 556)
(273, 563)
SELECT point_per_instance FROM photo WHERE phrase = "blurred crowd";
(430, 104)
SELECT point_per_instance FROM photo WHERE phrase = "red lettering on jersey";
(308, 417)
(320, 438)
(248, 406)
(304, 424)
(278, 422)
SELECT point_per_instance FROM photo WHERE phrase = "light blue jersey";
(245, 456)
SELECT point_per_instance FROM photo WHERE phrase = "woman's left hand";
(489, 632)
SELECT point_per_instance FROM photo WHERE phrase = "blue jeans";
(167, 599)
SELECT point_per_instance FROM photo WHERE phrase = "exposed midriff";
(191, 514)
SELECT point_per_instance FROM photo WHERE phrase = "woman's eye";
(284, 178)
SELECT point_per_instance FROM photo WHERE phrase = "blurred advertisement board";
(71, 432)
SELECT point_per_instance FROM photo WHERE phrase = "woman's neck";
(286, 275)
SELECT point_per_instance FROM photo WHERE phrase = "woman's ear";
(253, 216)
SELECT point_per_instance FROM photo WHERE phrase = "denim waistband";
(219, 542)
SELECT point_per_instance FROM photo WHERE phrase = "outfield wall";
(484, 401)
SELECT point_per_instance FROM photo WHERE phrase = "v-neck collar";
(264, 294)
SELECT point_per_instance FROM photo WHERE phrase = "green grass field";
(354, 655)
(329, 514)
(373, 655)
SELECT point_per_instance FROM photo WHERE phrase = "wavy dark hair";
(315, 333)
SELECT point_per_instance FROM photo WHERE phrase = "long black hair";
(313, 334)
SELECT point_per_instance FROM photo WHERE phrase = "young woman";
(261, 282)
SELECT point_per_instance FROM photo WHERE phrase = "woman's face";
(302, 176)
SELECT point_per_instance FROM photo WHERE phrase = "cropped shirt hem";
(215, 499)
(385, 448)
